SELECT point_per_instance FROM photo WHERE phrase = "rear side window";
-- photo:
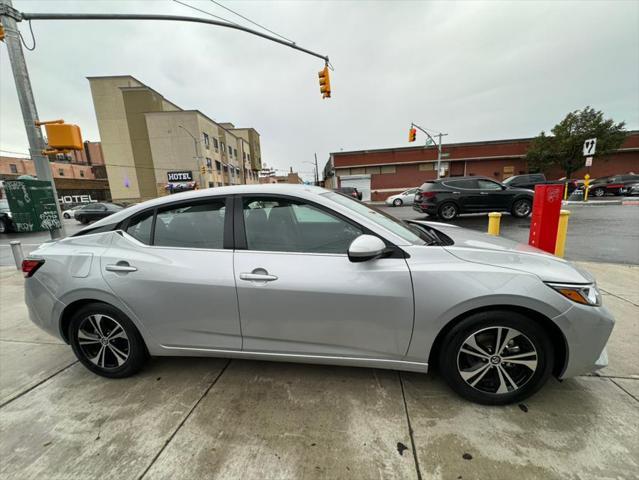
(465, 184)
(428, 187)
(198, 225)
(140, 227)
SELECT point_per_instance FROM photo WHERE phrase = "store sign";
(183, 176)
(66, 199)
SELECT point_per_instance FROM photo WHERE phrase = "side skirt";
(420, 367)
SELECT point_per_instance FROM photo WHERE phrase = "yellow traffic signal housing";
(202, 170)
(325, 82)
(62, 136)
(412, 134)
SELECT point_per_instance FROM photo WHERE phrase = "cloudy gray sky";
(477, 70)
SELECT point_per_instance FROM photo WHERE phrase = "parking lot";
(215, 418)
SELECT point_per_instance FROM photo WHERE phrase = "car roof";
(468, 177)
(254, 189)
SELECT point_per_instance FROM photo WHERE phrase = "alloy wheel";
(397, 202)
(599, 192)
(448, 211)
(103, 341)
(497, 360)
(522, 208)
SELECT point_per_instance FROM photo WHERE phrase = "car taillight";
(29, 267)
(428, 194)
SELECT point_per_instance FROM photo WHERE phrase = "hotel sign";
(181, 176)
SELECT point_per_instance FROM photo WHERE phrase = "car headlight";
(584, 294)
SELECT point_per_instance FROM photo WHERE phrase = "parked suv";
(614, 185)
(525, 181)
(448, 197)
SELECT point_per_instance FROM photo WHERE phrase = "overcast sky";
(477, 70)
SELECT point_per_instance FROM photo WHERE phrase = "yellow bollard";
(586, 184)
(566, 190)
(562, 232)
(493, 223)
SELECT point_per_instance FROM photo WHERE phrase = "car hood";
(478, 247)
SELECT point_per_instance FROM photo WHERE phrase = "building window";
(358, 171)
(13, 167)
(206, 140)
(209, 163)
(426, 167)
(235, 152)
(372, 170)
(218, 165)
(230, 151)
(61, 172)
(82, 173)
(248, 155)
(244, 156)
(215, 144)
(388, 169)
(237, 171)
(222, 145)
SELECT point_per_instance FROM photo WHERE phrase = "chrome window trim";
(165, 247)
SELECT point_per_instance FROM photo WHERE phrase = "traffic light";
(202, 170)
(325, 82)
(62, 137)
(412, 134)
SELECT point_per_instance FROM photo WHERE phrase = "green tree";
(564, 146)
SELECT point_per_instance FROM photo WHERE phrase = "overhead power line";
(251, 21)
(204, 12)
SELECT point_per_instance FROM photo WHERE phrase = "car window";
(379, 217)
(197, 225)
(487, 184)
(412, 191)
(140, 227)
(468, 184)
(285, 225)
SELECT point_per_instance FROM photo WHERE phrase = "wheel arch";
(555, 335)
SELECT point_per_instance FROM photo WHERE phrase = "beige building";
(151, 146)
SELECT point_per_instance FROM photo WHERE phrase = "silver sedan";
(298, 273)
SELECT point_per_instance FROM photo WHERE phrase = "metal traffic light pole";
(28, 106)
(437, 144)
(199, 161)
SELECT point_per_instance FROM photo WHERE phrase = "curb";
(593, 203)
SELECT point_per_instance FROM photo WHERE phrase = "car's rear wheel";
(599, 192)
(3, 226)
(82, 219)
(496, 357)
(106, 341)
(521, 208)
(448, 211)
(397, 202)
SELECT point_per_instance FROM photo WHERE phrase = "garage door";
(361, 182)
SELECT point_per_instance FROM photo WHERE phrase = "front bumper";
(586, 330)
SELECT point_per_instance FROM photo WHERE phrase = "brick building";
(383, 172)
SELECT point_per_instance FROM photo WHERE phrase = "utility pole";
(198, 160)
(438, 144)
(28, 107)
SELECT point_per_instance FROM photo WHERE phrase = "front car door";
(172, 269)
(493, 196)
(299, 294)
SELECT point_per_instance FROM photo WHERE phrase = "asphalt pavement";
(597, 233)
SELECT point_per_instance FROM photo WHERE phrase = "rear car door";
(172, 269)
(300, 294)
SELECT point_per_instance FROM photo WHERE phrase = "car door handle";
(121, 267)
(257, 277)
(483, 193)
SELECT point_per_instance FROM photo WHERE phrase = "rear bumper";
(42, 306)
(424, 208)
(586, 330)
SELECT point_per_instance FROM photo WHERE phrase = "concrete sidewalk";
(184, 418)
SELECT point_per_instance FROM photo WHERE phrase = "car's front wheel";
(598, 192)
(106, 341)
(496, 357)
(521, 208)
(397, 202)
(3, 226)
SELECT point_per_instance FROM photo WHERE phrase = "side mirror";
(366, 247)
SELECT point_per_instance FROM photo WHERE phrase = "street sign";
(588, 161)
(589, 147)
(445, 155)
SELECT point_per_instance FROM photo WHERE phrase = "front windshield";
(405, 231)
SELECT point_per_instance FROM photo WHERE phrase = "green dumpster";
(33, 205)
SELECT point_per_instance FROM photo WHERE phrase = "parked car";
(6, 222)
(95, 211)
(525, 181)
(68, 209)
(300, 273)
(351, 191)
(614, 185)
(448, 197)
(631, 190)
(404, 198)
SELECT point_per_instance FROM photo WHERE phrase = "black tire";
(83, 220)
(114, 365)
(448, 211)
(521, 208)
(485, 324)
(3, 226)
(598, 192)
(397, 202)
